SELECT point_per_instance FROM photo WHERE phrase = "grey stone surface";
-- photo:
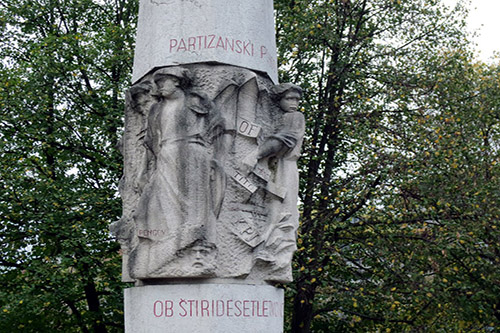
(210, 175)
(176, 32)
(204, 308)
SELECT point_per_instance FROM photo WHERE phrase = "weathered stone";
(204, 308)
(204, 195)
(176, 32)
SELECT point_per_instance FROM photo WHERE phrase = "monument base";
(220, 308)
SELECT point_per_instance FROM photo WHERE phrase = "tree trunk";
(303, 308)
(94, 307)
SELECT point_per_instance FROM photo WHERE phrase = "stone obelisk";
(210, 178)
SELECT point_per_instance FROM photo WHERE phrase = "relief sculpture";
(280, 152)
(210, 175)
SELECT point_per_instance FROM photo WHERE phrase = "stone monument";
(210, 180)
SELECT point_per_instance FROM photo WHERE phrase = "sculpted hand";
(248, 163)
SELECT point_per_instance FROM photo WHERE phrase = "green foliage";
(400, 168)
(65, 67)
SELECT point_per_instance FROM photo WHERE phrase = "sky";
(484, 15)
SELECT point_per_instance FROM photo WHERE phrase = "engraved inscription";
(244, 181)
(247, 128)
(151, 233)
(199, 308)
(246, 232)
(211, 41)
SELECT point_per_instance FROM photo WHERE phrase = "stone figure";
(210, 175)
(138, 100)
(280, 151)
(177, 205)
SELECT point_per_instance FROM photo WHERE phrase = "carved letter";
(210, 43)
(191, 43)
(182, 45)
(220, 43)
(263, 51)
(169, 308)
(158, 309)
(173, 44)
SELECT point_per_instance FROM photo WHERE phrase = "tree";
(381, 77)
(66, 64)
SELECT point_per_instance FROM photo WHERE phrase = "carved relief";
(280, 152)
(210, 178)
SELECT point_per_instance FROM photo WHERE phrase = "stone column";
(177, 32)
(210, 178)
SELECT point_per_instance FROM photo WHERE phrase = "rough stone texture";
(176, 32)
(204, 308)
(210, 177)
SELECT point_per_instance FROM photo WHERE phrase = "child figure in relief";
(284, 146)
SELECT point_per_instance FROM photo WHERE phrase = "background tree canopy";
(399, 178)
(65, 67)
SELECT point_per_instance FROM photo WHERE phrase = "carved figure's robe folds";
(177, 203)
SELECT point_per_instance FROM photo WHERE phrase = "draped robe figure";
(177, 206)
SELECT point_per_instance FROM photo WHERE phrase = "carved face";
(142, 98)
(167, 85)
(290, 101)
(201, 256)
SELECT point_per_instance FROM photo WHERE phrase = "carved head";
(288, 96)
(200, 255)
(170, 79)
(139, 94)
